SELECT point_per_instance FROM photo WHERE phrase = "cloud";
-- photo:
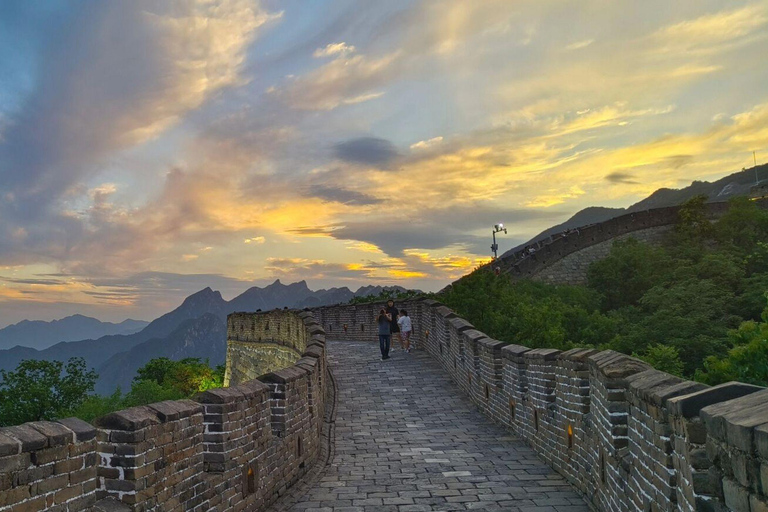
(424, 144)
(96, 96)
(341, 195)
(437, 228)
(333, 49)
(622, 177)
(367, 150)
(303, 268)
(578, 45)
(255, 240)
(711, 33)
(172, 56)
(342, 81)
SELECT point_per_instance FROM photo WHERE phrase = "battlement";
(565, 258)
(233, 448)
(628, 437)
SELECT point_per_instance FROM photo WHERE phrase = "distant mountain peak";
(205, 293)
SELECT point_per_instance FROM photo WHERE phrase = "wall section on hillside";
(572, 269)
(566, 258)
(628, 437)
(234, 448)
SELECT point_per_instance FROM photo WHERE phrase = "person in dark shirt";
(393, 327)
(384, 321)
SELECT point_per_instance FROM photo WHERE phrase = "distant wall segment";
(235, 448)
(628, 437)
(566, 258)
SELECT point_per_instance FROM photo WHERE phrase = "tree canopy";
(43, 390)
(690, 306)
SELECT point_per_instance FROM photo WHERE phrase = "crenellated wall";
(234, 448)
(565, 258)
(628, 437)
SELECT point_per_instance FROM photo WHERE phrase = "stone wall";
(358, 322)
(572, 269)
(628, 437)
(234, 448)
(564, 258)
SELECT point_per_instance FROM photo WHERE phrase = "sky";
(151, 148)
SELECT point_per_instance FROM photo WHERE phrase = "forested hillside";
(693, 307)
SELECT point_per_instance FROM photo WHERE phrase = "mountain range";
(39, 335)
(736, 184)
(197, 328)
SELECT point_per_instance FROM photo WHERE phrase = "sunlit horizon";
(149, 149)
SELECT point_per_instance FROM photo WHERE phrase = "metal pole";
(757, 181)
(494, 247)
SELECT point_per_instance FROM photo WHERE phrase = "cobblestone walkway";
(407, 439)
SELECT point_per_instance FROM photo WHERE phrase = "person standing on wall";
(384, 321)
(404, 322)
(393, 327)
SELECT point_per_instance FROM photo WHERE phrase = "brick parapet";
(234, 448)
(628, 437)
(564, 258)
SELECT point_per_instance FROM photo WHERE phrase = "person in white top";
(404, 322)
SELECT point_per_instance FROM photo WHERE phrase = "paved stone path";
(407, 439)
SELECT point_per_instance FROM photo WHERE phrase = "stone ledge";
(733, 421)
(691, 405)
(577, 354)
(83, 431)
(542, 354)
(219, 396)
(460, 324)
(616, 366)
(9, 445)
(494, 346)
(29, 438)
(515, 352)
(283, 376)
(57, 434)
(172, 410)
(135, 418)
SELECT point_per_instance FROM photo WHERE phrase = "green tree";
(693, 223)
(664, 358)
(743, 227)
(186, 377)
(43, 390)
(630, 270)
(96, 406)
(746, 362)
(145, 392)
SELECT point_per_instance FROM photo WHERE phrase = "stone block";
(57, 434)
(736, 497)
(9, 445)
(460, 324)
(29, 438)
(734, 421)
(616, 366)
(691, 404)
(132, 419)
(513, 352)
(83, 431)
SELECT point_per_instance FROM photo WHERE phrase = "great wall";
(565, 258)
(626, 437)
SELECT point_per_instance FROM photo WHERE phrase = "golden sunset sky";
(151, 148)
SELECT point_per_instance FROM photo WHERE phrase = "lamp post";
(497, 228)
